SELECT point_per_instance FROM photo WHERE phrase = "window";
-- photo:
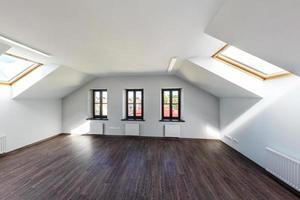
(171, 104)
(13, 68)
(135, 104)
(249, 63)
(100, 104)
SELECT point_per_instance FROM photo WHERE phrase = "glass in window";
(104, 109)
(97, 96)
(138, 111)
(130, 97)
(104, 97)
(175, 111)
(166, 97)
(97, 109)
(166, 110)
(175, 97)
(130, 110)
(138, 97)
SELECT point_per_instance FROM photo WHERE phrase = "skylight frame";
(245, 68)
(22, 74)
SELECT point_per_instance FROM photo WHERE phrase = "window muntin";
(249, 63)
(171, 104)
(134, 104)
(100, 103)
(12, 68)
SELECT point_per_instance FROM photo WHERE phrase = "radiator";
(172, 130)
(96, 128)
(2, 144)
(132, 129)
(283, 167)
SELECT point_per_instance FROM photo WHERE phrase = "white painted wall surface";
(259, 123)
(200, 110)
(27, 121)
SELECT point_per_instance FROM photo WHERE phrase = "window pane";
(251, 61)
(166, 97)
(175, 110)
(11, 67)
(104, 109)
(104, 96)
(175, 97)
(130, 110)
(97, 97)
(138, 111)
(138, 97)
(166, 110)
(97, 110)
(130, 96)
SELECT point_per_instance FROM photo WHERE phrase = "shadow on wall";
(270, 122)
(232, 109)
(237, 112)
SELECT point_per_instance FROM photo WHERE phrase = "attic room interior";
(194, 99)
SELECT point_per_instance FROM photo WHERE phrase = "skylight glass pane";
(10, 67)
(250, 61)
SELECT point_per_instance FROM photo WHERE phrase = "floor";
(89, 167)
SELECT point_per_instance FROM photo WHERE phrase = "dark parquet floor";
(103, 167)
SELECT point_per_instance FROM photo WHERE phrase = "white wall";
(27, 121)
(270, 122)
(200, 109)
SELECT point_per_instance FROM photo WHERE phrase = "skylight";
(12, 68)
(249, 63)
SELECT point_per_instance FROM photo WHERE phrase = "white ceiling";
(57, 84)
(108, 36)
(212, 82)
(268, 29)
(3, 48)
(101, 38)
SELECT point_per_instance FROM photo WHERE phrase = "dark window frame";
(101, 116)
(134, 117)
(171, 118)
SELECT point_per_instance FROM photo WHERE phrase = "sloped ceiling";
(100, 37)
(57, 84)
(3, 48)
(265, 28)
(211, 82)
(105, 36)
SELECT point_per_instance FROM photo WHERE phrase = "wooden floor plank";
(90, 167)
